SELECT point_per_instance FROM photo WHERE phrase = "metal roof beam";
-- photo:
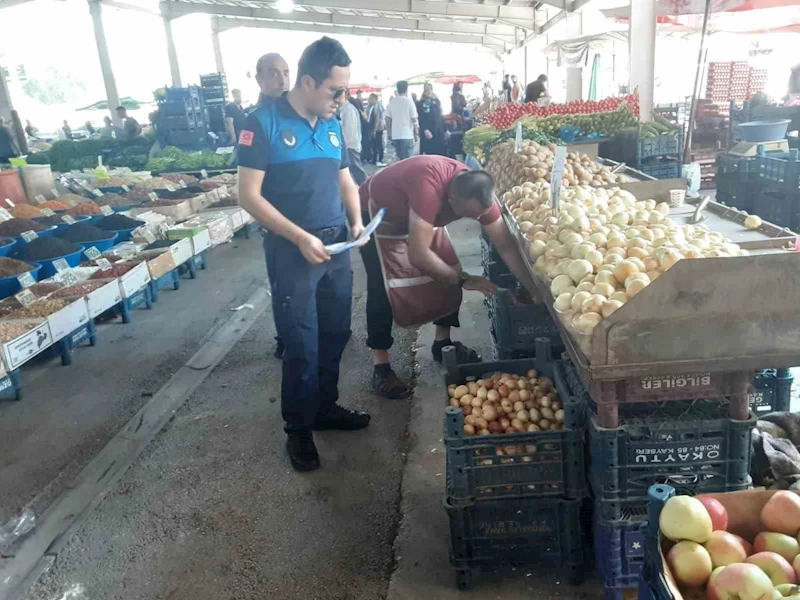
(230, 23)
(509, 15)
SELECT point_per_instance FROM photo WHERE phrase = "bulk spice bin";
(515, 499)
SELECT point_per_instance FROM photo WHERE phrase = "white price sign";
(125, 188)
(68, 219)
(47, 212)
(55, 193)
(557, 175)
(26, 280)
(97, 193)
(518, 138)
(203, 173)
(25, 297)
(92, 253)
(170, 188)
(69, 277)
(182, 183)
(29, 236)
(61, 264)
(106, 209)
(10, 202)
(39, 198)
(5, 215)
(153, 196)
(103, 264)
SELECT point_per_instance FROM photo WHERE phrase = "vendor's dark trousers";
(377, 148)
(312, 306)
(435, 145)
(379, 311)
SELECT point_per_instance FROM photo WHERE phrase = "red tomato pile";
(506, 115)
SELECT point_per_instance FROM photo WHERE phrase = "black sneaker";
(343, 419)
(464, 354)
(302, 451)
(390, 386)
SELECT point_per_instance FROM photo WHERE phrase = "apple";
(785, 545)
(748, 547)
(796, 565)
(773, 594)
(787, 590)
(690, 563)
(685, 518)
(717, 512)
(724, 549)
(781, 513)
(775, 566)
(740, 581)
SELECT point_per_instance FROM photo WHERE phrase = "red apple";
(740, 581)
(775, 566)
(724, 549)
(690, 563)
(748, 547)
(717, 512)
(710, 585)
(781, 513)
(796, 565)
(785, 545)
(685, 518)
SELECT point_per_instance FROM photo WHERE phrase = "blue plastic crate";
(669, 144)
(518, 533)
(143, 297)
(619, 549)
(661, 169)
(541, 464)
(771, 391)
(193, 265)
(171, 279)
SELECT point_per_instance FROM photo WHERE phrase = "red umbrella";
(363, 87)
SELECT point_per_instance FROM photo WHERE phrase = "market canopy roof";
(363, 87)
(443, 78)
(499, 25)
(127, 102)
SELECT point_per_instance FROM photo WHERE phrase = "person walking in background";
(89, 128)
(457, 100)
(352, 134)
(66, 130)
(234, 116)
(507, 88)
(536, 89)
(294, 180)
(31, 131)
(360, 99)
(272, 75)
(516, 89)
(130, 126)
(8, 144)
(401, 122)
(431, 123)
(375, 129)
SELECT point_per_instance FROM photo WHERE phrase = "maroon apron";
(415, 298)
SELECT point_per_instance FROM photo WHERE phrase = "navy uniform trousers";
(312, 305)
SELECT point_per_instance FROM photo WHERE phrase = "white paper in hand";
(368, 231)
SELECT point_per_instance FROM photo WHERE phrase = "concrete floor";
(211, 509)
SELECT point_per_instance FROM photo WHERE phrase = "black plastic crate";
(772, 390)
(781, 208)
(518, 533)
(733, 191)
(619, 549)
(661, 169)
(531, 464)
(783, 173)
(729, 164)
(517, 325)
(693, 453)
(669, 144)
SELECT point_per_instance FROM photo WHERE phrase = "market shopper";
(375, 127)
(457, 100)
(431, 123)
(8, 144)
(413, 272)
(130, 126)
(401, 122)
(516, 89)
(536, 89)
(234, 116)
(507, 87)
(351, 132)
(66, 130)
(294, 180)
(272, 75)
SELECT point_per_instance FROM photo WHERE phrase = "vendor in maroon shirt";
(419, 194)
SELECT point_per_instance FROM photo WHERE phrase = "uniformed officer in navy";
(294, 180)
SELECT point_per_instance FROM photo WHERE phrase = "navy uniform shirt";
(301, 163)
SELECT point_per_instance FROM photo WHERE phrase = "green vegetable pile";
(174, 159)
(65, 154)
(590, 125)
(659, 126)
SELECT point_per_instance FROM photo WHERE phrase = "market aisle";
(212, 509)
(70, 413)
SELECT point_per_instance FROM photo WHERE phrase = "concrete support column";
(95, 9)
(5, 98)
(574, 28)
(642, 47)
(216, 44)
(172, 53)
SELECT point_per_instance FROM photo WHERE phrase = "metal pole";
(700, 60)
(172, 53)
(5, 97)
(216, 44)
(112, 96)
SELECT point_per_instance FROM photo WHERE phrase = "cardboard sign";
(69, 277)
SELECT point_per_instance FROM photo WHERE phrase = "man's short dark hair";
(542, 78)
(121, 108)
(475, 185)
(319, 58)
(402, 87)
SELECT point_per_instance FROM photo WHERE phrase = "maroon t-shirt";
(419, 183)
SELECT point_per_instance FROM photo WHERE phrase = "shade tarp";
(443, 78)
(127, 102)
(363, 87)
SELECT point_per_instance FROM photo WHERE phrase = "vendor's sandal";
(464, 354)
(391, 386)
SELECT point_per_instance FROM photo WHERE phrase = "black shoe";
(302, 451)
(390, 386)
(464, 354)
(343, 419)
(279, 348)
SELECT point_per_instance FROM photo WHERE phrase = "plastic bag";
(16, 528)
(691, 173)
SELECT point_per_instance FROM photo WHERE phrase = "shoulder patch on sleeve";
(246, 138)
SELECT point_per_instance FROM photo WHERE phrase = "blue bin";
(48, 270)
(10, 285)
(62, 226)
(101, 245)
(44, 233)
(764, 131)
(125, 207)
(7, 248)
(123, 235)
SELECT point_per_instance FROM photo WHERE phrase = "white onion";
(578, 269)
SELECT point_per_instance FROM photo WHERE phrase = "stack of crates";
(214, 87)
(516, 319)
(737, 181)
(779, 199)
(690, 444)
(182, 117)
(516, 500)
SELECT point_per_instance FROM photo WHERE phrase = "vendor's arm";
(509, 251)
(420, 255)
(230, 129)
(351, 201)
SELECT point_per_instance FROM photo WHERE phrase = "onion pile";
(508, 403)
(534, 163)
(603, 247)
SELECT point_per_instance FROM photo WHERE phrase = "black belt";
(330, 235)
